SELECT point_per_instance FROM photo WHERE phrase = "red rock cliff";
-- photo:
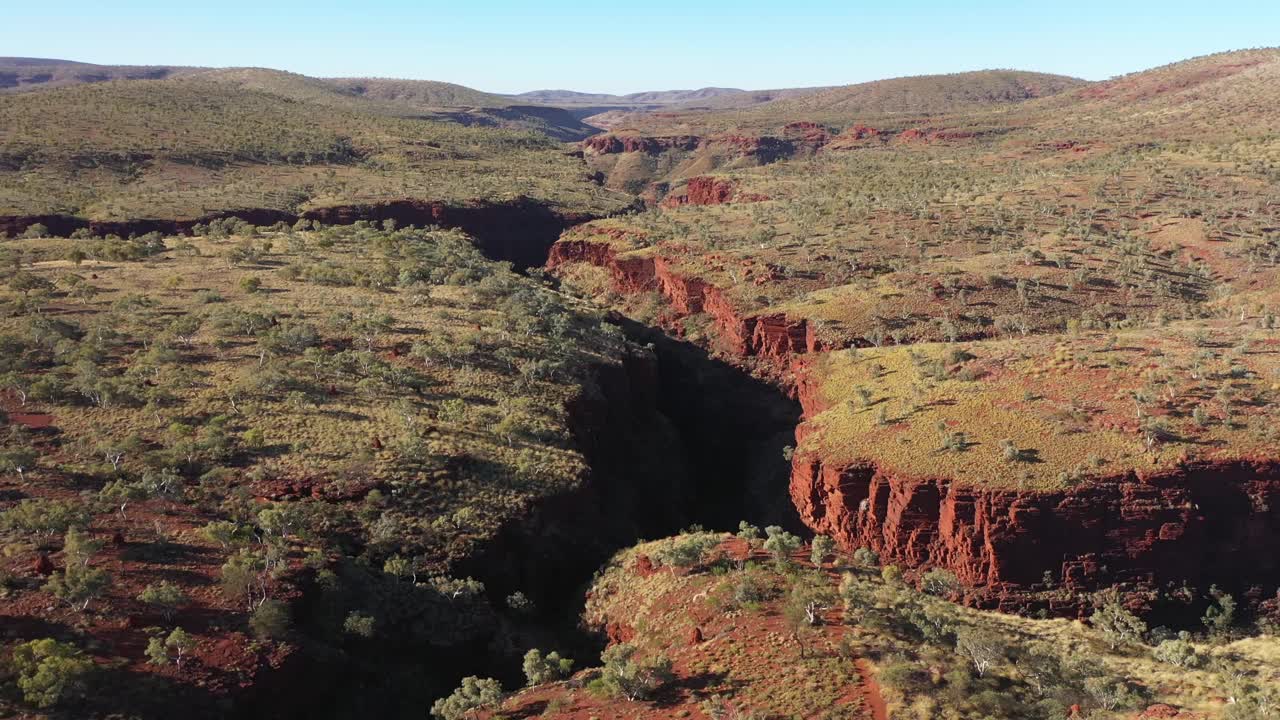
(771, 336)
(1202, 524)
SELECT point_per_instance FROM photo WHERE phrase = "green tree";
(270, 621)
(165, 596)
(1117, 624)
(1179, 652)
(1221, 613)
(79, 547)
(79, 585)
(17, 460)
(358, 623)
(49, 671)
(624, 676)
(44, 516)
(940, 582)
(821, 549)
(781, 544)
(539, 668)
(475, 692)
(982, 648)
(180, 642)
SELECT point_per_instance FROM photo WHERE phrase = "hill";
(191, 147)
(1001, 325)
(343, 422)
(23, 74)
(709, 625)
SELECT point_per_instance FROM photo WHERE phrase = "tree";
(687, 550)
(866, 557)
(821, 549)
(1179, 652)
(50, 671)
(224, 533)
(78, 585)
(781, 544)
(122, 493)
(1117, 624)
(399, 566)
(44, 516)
(166, 597)
(519, 602)
(17, 459)
(539, 668)
(475, 692)
(180, 642)
(78, 547)
(456, 588)
(940, 582)
(624, 676)
(358, 623)
(1110, 694)
(982, 648)
(1221, 613)
(809, 596)
(270, 621)
(244, 576)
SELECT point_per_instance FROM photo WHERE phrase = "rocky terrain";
(327, 397)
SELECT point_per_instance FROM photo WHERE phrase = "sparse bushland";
(346, 432)
(835, 637)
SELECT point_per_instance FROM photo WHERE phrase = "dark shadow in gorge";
(733, 427)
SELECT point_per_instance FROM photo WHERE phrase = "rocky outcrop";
(703, 191)
(773, 336)
(1201, 524)
(616, 144)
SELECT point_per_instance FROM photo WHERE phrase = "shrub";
(866, 557)
(1220, 615)
(49, 671)
(475, 692)
(780, 543)
(539, 668)
(624, 676)
(166, 597)
(270, 621)
(1118, 625)
(821, 549)
(78, 585)
(687, 550)
(360, 624)
(940, 582)
(519, 602)
(1179, 652)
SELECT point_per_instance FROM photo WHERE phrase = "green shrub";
(474, 693)
(50, 672)
(270, 621)
(539, 668)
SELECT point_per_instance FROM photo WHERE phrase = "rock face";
(615, 144)
(703, 191)
(771, 336)
(1201, 524)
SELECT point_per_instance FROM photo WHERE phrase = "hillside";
(190, 148)
(351, 397)
(309, 422)
(1004, 337)
(714, 626)
(24, 74)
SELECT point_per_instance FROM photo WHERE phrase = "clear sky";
(512, 45)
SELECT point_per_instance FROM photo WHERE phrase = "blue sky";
(510, 46)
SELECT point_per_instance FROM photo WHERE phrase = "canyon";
(1146, 534)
